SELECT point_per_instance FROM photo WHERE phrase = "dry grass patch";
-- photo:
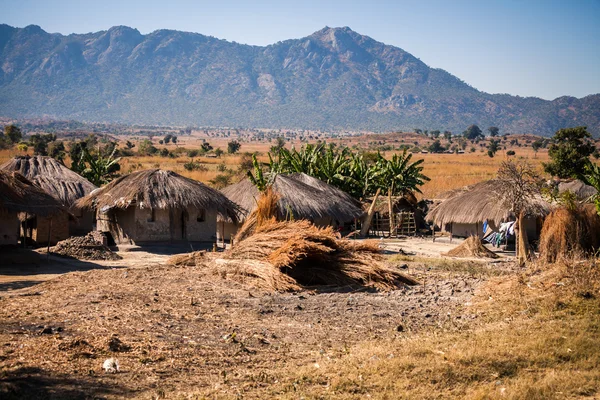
(538, 339)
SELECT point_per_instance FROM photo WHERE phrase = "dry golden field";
(447, 171)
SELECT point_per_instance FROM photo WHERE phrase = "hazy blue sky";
(522, 47)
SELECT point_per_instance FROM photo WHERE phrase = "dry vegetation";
(447, 171)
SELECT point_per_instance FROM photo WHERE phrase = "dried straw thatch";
(581, 190)
(300, 197)
(288, 255)
(478, 203)
(285, 255)
(471, 247)
(570, 233)
(158, 189)
(17, 194)
(52, 176)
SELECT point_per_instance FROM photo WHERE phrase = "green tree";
(493, 147)
(569, 152)
(473, 132)
(400, 177)
(13, 133)
(206, 147)
(219, 152)
(97, 167)
(57, 151)
(494, 131)
(436, 147)
(146, 148)
(233, 146)
(40, 143)
(537, 145)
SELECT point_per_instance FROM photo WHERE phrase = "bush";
(194, 166)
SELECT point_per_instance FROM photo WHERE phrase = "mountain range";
(333, 79)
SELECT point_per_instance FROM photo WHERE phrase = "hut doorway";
(177, 224)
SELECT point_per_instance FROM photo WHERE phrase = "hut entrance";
(177, 224)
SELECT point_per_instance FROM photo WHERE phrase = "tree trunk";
(391, 211)
(364, 230)
(524, 253)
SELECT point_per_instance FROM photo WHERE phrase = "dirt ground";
(182, 331)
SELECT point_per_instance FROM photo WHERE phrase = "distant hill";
(332, 79)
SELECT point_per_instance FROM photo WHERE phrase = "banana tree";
(99, 169)
(400, 177)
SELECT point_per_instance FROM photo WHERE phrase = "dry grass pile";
(472, 247)
(84, 248)
(287, 255)
(266, 209)
(570, 233)
(193, 259)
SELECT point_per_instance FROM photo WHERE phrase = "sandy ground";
(17, 276)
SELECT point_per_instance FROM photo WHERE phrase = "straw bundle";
(287, 255)
(569, 233)
(472, 247)
(192, 259)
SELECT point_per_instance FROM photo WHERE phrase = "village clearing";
(472, 329)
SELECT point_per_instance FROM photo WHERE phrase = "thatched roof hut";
(52, 176)
(158, 189)
(19, 200)
(157, 205)
(301, 195)
(580, 189)
(477, 203)
(17, 194)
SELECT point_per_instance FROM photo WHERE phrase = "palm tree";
(400, 177)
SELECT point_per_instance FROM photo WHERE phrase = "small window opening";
(201, 216)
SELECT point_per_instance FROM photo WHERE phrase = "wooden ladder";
(406, 224)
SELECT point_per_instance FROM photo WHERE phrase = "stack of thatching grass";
(567, 234)
(289, 255)
(472, 247)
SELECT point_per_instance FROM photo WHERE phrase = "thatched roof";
(17, 194)
(399, 203)
(581, 190)
(301, 195)
(159, 189)
(52, 176)
(477, 203)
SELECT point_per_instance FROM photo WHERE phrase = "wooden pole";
(49, 235)
(391, 211)
(364, 230)
(223, 235)
(25, 231)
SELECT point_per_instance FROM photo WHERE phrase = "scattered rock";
(111, 366)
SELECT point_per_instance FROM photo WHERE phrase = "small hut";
(465, 210)
(158, 206)
(62, 183)
(408, 214)
(20, 198)
(300, 197)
